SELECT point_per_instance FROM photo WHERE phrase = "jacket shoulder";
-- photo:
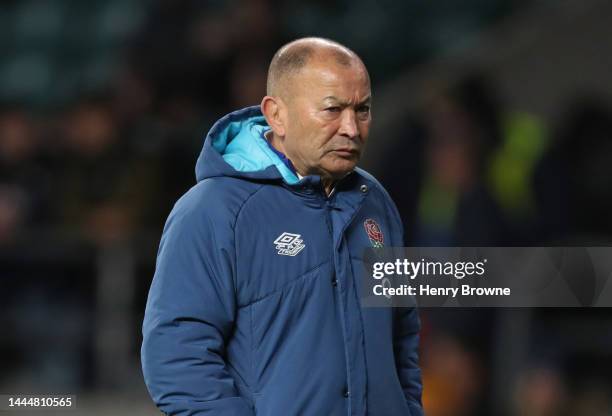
(374, 182)
(215, 199)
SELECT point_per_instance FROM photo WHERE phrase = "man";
(254, 307)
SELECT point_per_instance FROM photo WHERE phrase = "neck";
(328, 185)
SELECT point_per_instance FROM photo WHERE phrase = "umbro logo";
(289, 244)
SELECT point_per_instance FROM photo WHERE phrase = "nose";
(348, 124)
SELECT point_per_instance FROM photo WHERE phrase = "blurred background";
(492, 127)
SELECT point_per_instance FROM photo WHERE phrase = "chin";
(338, 167)
(338, 172)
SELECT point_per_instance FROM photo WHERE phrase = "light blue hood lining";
(243, 147)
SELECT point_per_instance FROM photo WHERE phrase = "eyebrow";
(334, 98)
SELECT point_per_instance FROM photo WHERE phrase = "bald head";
(289, 60)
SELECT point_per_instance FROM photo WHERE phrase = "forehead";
(326, 77)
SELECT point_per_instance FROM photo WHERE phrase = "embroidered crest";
(374, 233)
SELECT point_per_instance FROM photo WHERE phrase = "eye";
(364, 109)
(333, 109)
(363, 112)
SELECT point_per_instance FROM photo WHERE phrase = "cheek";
(364, 130)
(327, 138)
(321, 134)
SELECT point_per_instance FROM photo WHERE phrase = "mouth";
(347, 153)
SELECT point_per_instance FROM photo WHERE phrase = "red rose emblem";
(374, 232)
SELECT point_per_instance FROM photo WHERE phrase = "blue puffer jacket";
(254, 307)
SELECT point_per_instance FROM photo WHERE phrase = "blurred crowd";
(107, 165)
(469, 172)
(112, 160)
(101, 168)
(484, 175)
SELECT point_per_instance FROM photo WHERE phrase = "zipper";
(334, 282)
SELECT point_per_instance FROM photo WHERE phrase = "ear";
(274, 111)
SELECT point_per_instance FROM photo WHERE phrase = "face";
(327, 118)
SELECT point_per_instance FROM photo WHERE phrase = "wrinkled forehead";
(323, 78)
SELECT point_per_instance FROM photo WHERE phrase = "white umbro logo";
(289, 244)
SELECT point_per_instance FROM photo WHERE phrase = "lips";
(346, 152)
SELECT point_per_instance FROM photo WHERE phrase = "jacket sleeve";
(406, 344)
(189, 317)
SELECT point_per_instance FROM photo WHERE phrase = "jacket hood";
(235, 146)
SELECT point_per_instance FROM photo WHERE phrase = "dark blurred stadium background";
(492, 126)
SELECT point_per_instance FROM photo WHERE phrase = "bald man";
(254, 307)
